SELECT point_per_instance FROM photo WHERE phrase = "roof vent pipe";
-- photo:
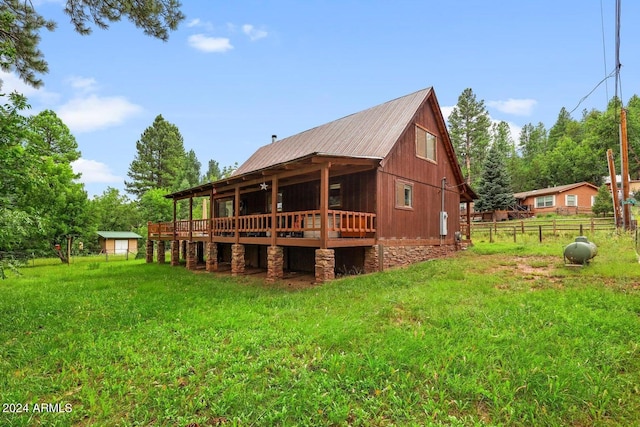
(273, 138)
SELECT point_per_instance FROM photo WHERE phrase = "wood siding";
(422, 221)
(584, 194)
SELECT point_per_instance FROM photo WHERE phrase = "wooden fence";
(541, 227)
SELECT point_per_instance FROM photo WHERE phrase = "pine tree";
(160, 159)
(603, 204)
(20, 27)
(494, 190)
(469, 126)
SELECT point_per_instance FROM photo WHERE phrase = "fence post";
(540, 233)
(522, 226)
(582, 234)
(554, 227)
(490, 235)
(514, 234)
(592, 226)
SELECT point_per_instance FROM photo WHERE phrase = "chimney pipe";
(273, 138)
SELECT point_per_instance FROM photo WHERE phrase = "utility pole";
(624, 169)
(614, 188)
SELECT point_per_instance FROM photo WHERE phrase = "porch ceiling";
(301, 170)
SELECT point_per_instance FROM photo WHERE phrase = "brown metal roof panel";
(370, 133)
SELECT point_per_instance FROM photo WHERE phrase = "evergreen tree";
(603, 204)
(159, 160)
(20, 27)
(190, 171)
(469, 126)
(494, 190)
(213, 172)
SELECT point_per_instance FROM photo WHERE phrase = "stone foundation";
(175, 252)
(275, 263)
(192, 257)
(183, 250)
(161, 252)
(237, 259)
(149, 251)
(325, 265)
(212, 256)
(397, 255)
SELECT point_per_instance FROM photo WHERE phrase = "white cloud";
(11, 82)
(83, 84)
(93, 112)
(193, 23)
(518, 107)
(513, 128)
(209, 44)
(94, 172)
(253, 33)
(446, 112)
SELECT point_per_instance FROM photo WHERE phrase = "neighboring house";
(375, 189)
(118, 242)
(567, 199)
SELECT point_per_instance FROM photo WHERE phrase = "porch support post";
(371, 259)
(275, 263)
(149, 251)
(175, 218)
(212, 256)
(325, 265)
(190, 218)
(161, 252)
(468, 220)
(175, 252)
(192, 260)
(236, 214)
(324, 205)
(274, 209)
(211, 214)
(237, 259)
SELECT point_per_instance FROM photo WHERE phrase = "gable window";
(544, 201)
(404, 195)
(571, 200)
(425, 144)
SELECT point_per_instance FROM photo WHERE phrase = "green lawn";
(502, 334)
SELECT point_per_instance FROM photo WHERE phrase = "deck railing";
(340, 224)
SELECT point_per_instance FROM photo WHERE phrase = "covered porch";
(320, 203)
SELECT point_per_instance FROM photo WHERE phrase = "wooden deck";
(302, 228)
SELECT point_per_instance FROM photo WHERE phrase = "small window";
(593, 200)
(279, 202)
(571, 200)
(425, 144)
(404, 195)
(544, 201)
(335, 196)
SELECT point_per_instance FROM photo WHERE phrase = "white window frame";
(573, 204)
(545, 200)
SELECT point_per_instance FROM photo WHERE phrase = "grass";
(502, 334)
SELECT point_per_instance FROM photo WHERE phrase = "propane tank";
(580, 251)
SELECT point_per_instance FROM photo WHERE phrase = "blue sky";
(237, 72)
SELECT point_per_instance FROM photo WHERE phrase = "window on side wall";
(544, 201)
(425, 144)
(571, 200)
(404, 195)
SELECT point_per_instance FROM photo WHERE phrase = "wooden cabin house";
(372, 190)
(570, 199)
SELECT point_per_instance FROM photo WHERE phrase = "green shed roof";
(119, 235)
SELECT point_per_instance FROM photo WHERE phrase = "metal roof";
(119, 235)
(371, 133)
(551, 190)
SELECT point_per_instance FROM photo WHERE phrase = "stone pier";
(325, 265)
(237, 259)
(175, 252)
(161, 252)
(149, 251)
(192, 257)
(275, 263)
(212, 256)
